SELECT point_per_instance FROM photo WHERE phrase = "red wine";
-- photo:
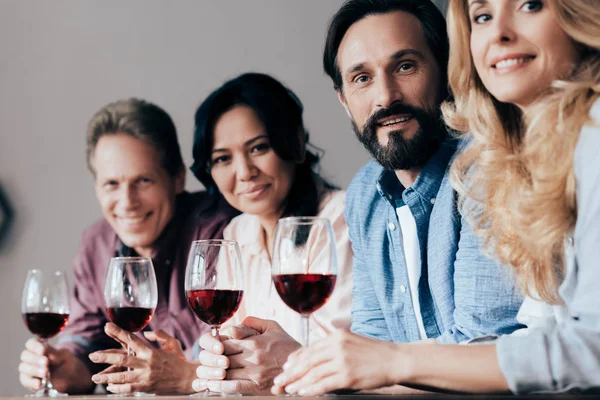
(45, 324)
(132, 319)
(304, 293)
(214, 306)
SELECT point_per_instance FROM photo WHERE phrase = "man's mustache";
(395, 109)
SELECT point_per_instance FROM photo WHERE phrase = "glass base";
(136, 394)
(210, 393)
(49, 392)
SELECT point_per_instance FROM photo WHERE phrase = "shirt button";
(433, 200)
(391, 226)
(403, 288)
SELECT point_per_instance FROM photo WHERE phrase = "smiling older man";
(134, 156)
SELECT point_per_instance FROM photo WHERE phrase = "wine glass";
(130, 294)
(213, 284)
(304, 265)
(45, 308)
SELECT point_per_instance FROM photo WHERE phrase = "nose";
(245, 169)
(503, 31)
(128, 198)
(388, 91)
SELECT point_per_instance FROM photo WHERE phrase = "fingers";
(233, 386)
(312, 379)
(116, 357)
(116, 378)
(35, 346)
(209, 359)
(30, 383)
(165, 341)
(212, 344)
(204, 372)
(125, 338)
(300, 363)
(241, 331)
(261, 325)
(32, 370)
(126, 388)
(325, 385)
(199, 385)
(29, 358)
(112, 368)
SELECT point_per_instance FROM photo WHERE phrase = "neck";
(407, 177)
(269, 223)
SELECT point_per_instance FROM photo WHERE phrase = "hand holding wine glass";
(304, 265)
(45, 309)
(131, 294)
(213, 282)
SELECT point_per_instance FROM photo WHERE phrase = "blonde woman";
(526, 80)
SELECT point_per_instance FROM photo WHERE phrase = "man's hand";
(68, 373)
(342, 360)
(246, 359)
(161, 371)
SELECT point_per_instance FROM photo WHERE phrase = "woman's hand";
(245, 360)
(342, 360)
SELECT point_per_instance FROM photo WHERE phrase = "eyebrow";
(248, 143)
(396, 56)
(481, 2)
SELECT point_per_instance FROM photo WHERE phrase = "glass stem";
(305, 329)
(214, 331)
(46, 386)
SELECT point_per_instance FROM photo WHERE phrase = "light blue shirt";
(463, 294)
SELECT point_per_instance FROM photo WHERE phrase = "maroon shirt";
(195, 218)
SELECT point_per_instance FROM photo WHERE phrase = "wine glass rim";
(218, 242)
(39, 271)
(302, 220)
(132, 258)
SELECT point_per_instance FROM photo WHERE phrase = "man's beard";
(398, 153)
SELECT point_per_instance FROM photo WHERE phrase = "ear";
(342, 100)
(180, 180)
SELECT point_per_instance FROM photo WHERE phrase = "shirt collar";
(252, 242)
(429, 180)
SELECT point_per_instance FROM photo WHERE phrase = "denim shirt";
(462, 293)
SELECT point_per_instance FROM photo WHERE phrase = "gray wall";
(61, 60)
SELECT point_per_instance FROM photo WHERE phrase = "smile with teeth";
(512, 62)
(132, 221)
(395, 121)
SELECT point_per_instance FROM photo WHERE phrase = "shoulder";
(333, 204)
(362, 191)
(202, 208)
(366, 178)
(97, 243)
(100, 233)
(588, 143)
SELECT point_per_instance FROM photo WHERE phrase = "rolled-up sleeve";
(567, 355)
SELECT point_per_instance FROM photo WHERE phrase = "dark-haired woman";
(250, 147)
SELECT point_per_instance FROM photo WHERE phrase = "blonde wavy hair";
(517, 169)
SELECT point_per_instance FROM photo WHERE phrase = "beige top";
(260, 297)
